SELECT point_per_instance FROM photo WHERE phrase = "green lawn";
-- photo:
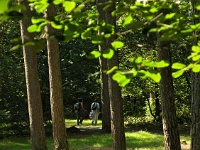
(135, 140)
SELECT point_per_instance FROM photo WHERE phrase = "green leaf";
(86, 34)
(153, 30)
(32, 28)
(196, 58)
(69, 6)
(94, 54)
(121, 79)
(40, 7)
(117, 44)
(112, 70)
(148, 63)
(37, 20)
(198, 7)
(16, 47)
(108, 53)
(187, 31)
(142, 74)
(153, 10)
(97, 40)
(138, 60)
(56, 26)
(4, 5)
(155, 76)
(57, 2)
(196, 68)
(192, 55)
(134, 72)
(79, 8)
(178, 66)
(161, 64)
(195, 26)
(39, 29)
(128, 20)
(177, 73)
(133, 7)
(170, 16)
(196, 48)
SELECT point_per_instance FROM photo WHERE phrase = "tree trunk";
(195, 128)
(105, 101)
(32, 83)
(170, 126)
(56, 96)
(195, 88)
(116, 105)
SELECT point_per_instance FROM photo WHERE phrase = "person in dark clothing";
(78, 107)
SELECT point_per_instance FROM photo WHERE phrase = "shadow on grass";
(15, 144)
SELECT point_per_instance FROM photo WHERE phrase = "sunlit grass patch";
(143, 139)
(86, 122)
(101, 140)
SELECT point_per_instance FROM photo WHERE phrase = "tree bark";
(105, 101)
(195, 94)
(195, 127)
(116, 105)
(32, 84)
(170, 126)
(56, 96)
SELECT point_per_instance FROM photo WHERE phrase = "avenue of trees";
(140, 59)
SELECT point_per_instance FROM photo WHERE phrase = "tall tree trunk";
(195, 88)
(195, 128)
(170, 126)
(105, 101)
(116, 104)
(56, 96)
(32, 83)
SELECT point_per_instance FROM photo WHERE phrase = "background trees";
(136, 28)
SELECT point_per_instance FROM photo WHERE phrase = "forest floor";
(86, 130)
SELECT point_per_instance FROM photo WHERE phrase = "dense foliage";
(136, 43)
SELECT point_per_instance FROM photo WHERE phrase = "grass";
(135, 140)
(86, 123)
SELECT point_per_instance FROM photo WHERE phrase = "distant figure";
(94, 112)
(78, 107)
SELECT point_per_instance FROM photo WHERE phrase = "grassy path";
(91, 138)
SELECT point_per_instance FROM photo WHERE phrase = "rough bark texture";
(170, 126)
(117, 120)
(195, 89)
(105, 100)
(56, 96)
(32, 84)
(195, 134)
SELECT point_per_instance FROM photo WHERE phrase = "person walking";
(94, 114)
(79, 109)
